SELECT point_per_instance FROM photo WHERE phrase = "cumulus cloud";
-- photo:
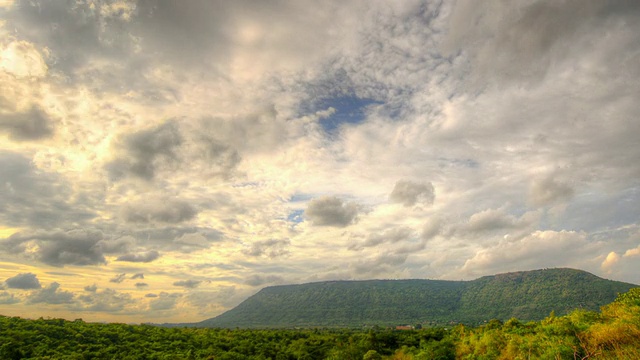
(271, 248)
(331, 211)
(190, 284)
(51, 295)
(612, 259)
(142, 154)
(23, 281)
(497, 219)
(409, 193)
(632, 252)
(31, 125)
(58, 248)
(91, 288)
(144, 257)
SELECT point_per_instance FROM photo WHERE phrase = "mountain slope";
(528, 295)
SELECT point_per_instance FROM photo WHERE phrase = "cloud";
(141, 285)
(190, 284)
(143, 153)
(632, 252)
(118, 278)
(31, 125)
(23, 281)
(35, 198)
(144, 257)
(545, 191)
(58, 248)
(497, 219)
(389, 236)
(7, 298)
(51, 295)
(91, 288)
(271, 248)
(379, 264)
(22, 60)
(107, 300)
(410, 193)
(259, 280)
(184, 239)
(164, 301)
(431, 229)
(537, 250)
(170, 211)
(612, 259)
(331, 211)
(137, 276)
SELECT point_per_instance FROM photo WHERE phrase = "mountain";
(526, 295)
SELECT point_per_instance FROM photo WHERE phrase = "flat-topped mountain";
(526, 295)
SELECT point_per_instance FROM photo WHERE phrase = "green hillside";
(528, 295)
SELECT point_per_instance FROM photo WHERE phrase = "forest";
(611, 333)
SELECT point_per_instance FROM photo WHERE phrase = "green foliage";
(529, 295)
(614, 333)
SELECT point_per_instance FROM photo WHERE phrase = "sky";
(161, 161)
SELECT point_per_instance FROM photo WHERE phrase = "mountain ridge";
(527, 295)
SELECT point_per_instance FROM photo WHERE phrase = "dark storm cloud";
(143, 153)
(191, 284)
(31, 125)
(410, 193)
(59, 248)
(271, 248)
(159, 210)
(144, 257)
(331, 211)
(23, 281)
(34, 198)
(51, 295)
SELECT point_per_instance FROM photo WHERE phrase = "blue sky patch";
(296, 216)
(349, 110)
